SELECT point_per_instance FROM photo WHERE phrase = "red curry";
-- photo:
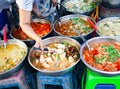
(41, 30)
(106, 56)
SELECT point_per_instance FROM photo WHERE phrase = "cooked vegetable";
(70, 26)
(11, 56)
(63, 56)
(107, 58)
(109, 27)
(80, 5)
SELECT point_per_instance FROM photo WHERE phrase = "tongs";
(4, 36)
(44, 50)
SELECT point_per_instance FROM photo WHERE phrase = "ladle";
(92, 24)
(4, 36)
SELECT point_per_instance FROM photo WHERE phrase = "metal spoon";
(88, 46)
(84, 40)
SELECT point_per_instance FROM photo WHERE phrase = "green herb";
(112, 53)
(75, 21)
(58, 57)
(100, 60)
(93, 5)
(66, 43)
(33, 59)
(7, 61)
(106, 25)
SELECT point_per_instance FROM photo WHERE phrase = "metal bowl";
(52, 40)
(114, 32)
(97, 40)
(69, 11)
(31, 42)
(67, 17)
(18, 66)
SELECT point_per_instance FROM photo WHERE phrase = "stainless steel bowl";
(18, 66)
(111, 32)
(52, 40)
(31, 42)
(93, 41)
(87, 12)
(67, 17)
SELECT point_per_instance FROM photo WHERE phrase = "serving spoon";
(84, 40)
(4, 36)
(92, 24)
(91, 51)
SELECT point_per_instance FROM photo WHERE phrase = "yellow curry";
(10, 56)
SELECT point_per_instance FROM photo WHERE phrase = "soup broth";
(10, 56)
(69, 27)
(60, 55)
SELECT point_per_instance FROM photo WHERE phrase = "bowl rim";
(104, 20)
(56, 71)
(95, 69)
(26, 50)
(33, 20)
(80, 12)
(73, 16)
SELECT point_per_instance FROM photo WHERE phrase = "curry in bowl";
(60, 55)
(103, 56)
(11, 56)
(73, 26)
(41, 29)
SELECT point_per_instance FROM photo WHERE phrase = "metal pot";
(105, 12)
(31, 42)
(67, 17)
(9, 72)
(67, 11)
(111, 3)
(93, 41)
(52, 40)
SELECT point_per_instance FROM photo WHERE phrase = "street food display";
(73, 38)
